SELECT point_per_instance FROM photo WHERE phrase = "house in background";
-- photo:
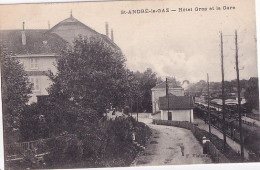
(38, 68)
(180, 108)
(160, 91)
(37, 52)
(37, 49)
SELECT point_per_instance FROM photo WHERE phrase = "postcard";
(129, 83)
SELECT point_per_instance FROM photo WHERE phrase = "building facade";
(37, 49)
(38, 68)
(160, 91)
(180, 108)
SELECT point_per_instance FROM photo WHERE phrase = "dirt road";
(170, 146)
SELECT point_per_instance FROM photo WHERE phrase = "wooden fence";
(216, 155)
(18, 148)
(42, 146)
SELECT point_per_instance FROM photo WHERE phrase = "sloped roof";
(176, 102)
(71, 28)
(109, 41)
(217, 101)
(227, 101)
(71, 21)
(163, 85)
(57, 38)
(37, 42)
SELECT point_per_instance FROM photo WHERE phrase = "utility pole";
(239, 102)
(223, 94)
(190, 106)
(167, 94)
(131, 108)
(209, 109)
(137, 110)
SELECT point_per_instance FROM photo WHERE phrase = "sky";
(181, 44)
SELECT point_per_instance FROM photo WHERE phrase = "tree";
(92, 75)
(252, 93)
(173, 81)
(15, 90)
(136, 94)
(159, 80)
(141, 89)
(197, 88)
(148, 81)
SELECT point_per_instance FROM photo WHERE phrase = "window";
(35, 82)
(34, 63)
(169, 115)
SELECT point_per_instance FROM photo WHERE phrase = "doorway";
(169, 115)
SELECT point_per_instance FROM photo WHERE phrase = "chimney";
(23, 35)
(112, 35)
(71, 13)
(107, 34)
(49, 25)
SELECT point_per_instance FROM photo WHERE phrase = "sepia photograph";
(130, 83)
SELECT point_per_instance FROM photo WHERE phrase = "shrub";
(118, 148)
(106, 144)
(65, 150)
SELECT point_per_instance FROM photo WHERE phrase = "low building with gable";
(160, 91)
(178, 108)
